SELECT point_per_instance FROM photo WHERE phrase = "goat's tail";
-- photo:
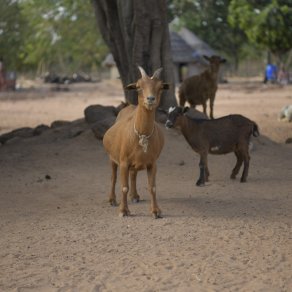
(255, 130)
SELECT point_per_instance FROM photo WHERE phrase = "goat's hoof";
(243, 180)
(200, 184)
(232, 176)
(124, 213)
(135, 199)
(157, 216)
(113, 202)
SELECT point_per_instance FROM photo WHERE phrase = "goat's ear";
(185, 109)
(206, 57)
(223, 60)
(131, 86)
(165, 86)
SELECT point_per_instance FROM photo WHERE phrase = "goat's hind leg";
(112, 195)
(135, 198)
(151, 172)
(237, 165)
(246, 159)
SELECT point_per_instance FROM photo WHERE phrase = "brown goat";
(219, 136)
(135, 141)
(198, 89)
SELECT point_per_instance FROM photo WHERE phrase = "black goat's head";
(173, 114)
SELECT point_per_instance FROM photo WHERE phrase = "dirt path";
(60, 234)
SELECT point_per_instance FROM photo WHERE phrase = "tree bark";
(136, 32)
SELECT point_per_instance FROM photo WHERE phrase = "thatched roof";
(181, 51)
(186, 47)
(196, 43)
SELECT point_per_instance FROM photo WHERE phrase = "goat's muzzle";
(168, 124)
(149, 102)
(150, 99)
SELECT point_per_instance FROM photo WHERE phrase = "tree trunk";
(136, 32)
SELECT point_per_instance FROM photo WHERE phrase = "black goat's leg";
(207, 173)
(246, 159)
(201, 180)
(237, 165)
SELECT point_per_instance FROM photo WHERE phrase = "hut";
(201, 49)
(184, 41)
(187, 54)
(183, 56)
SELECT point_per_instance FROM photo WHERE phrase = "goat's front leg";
(112, 196)
(124, 173)
(135, 198)
(202, 166)
(207, 173)
(211, 108)
(151, 172)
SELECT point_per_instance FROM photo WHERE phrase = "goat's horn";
(157, 73)
(142, 71)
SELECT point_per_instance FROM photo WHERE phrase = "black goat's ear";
(223, 60)
(165, 86)
(131, 86)
(186, 109)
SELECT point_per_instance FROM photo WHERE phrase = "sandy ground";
(60, 234)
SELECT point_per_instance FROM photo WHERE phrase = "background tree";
(137, 34)
(62, 35)
(209, 20)
(266, 23)
(12, 25)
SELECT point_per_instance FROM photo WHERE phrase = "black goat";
(219, 136)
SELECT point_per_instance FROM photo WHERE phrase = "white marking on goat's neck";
(143, 139)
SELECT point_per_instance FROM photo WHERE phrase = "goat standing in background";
(135, 141)
(198, 89)
(219, 136)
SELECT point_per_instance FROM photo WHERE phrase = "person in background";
(270, 73)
